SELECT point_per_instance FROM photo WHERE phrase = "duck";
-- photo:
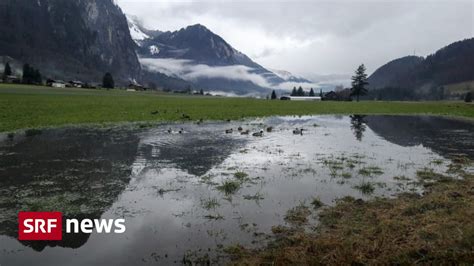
(258, 134)
(228, 131)
(269, 129)
(246, 132)
(239, 128)
(181, 131)
(298, 131)
(170, 131)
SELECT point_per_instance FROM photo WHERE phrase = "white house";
(58, 84)
(301, 98)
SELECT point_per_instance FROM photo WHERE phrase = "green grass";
(24, 106)
(229, 187)
(365, 187)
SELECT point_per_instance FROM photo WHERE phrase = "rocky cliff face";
(78, 39)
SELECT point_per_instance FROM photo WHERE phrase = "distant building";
(56, 83)
(341, 95)
(76, 83)
(300, 98)
(12, 79)
(330, 96)
(136, 87)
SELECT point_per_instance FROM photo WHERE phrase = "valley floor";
(24, 106)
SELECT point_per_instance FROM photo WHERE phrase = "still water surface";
(167, 186)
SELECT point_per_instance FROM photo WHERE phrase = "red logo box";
(40, 225)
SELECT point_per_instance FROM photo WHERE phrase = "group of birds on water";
(247, 132)
(296, 131)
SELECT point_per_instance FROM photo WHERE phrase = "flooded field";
(189, 191)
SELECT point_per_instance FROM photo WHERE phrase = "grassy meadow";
(23, 106)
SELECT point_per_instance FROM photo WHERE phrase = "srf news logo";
(49, 226)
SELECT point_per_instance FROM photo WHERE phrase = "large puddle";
(186, 195)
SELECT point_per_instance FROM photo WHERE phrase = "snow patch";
(135, 32)
(154, 50)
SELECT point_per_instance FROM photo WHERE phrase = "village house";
(11, 79)
(136, 87)
(56, 83)
(76, 84)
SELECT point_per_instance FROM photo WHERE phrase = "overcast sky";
(323, 37)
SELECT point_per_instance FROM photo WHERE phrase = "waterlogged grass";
(240, 175)
(365, 187)
(24, 106)
(317, 203)
(370, 171)
(436, 227)
(229, 187)
(210, 203)
(298, 215)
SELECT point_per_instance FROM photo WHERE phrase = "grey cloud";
(319, 36)
(186, 70)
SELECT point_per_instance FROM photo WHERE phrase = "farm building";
(56, 83)
(76, 84)
(301, 98)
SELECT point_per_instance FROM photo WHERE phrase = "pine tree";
(27, 77)
(201, 92)
(7, 71)
(468, 97)
(293, 93)
(37, 77)
(300, 91)
(274, 96)
(108, 81)
(359, 81)
(321, 93)
(311, 93)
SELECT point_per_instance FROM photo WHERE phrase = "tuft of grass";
(33, 132)
(214, 217)
(370, 171)
(210, 203)
(317, 203)
(240, 175)
(428, 174)
(229, 187)
(437, 162)
(365, 187)
(256, 197)
(401, 178)
(346, 175)
(298, 215)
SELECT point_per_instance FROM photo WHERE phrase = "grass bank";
(35, 107)
(436, 228)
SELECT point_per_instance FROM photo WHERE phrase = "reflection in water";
(79, 172)
(195, 151)
(445, 136)
(169, 186)
(358, 126)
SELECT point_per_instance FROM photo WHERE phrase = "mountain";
(138, 32)
(74, 39)
(197, 55)
(395, 72)
(451, 64)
